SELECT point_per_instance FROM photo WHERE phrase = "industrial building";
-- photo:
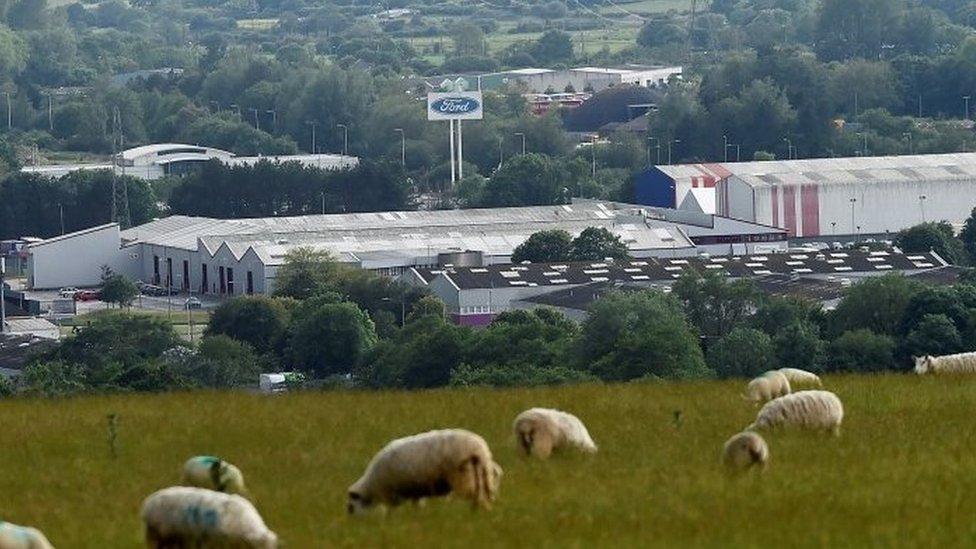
(241, 256)
(475, 295)
(160, 160)
(590, 79)
(818, 198)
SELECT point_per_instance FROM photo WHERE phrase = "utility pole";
(120, 193)
(345, 139)
(257, 123)
(921, 205)
(10, 116)
(50, 111)
(403, 146)
(522, 135)
(853, 201)
(670, 143)
(312, 123)
(725, 147)
(3, 302)
(966, 99)
(910, 147)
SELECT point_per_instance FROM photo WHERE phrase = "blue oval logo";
(455, 105)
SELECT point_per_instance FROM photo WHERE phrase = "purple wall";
(479, 320)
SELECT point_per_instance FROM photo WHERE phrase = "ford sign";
(454, 106)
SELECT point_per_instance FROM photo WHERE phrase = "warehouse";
(475, 295)
(235, 256)
(824, 197)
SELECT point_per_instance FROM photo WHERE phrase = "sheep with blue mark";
(184, 516)
(22, 537)
(213, 473)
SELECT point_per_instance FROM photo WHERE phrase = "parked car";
(87, 295)
(192, 303)
(70, 291)
(149, 289)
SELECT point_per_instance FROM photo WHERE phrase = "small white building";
(159, 160)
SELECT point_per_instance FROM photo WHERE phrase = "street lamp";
(345, 138)
(853, 201)
(670, 143)
(966, 99)
(313, 124)
(522, 135)
(908, 136)
(274, 120)
(921, 204)
(657, 145)
(789, 148)
(403, 146)
(725, 147)
(257, 123)
(833, 227)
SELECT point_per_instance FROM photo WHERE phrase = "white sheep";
(184, 516)
(815, 410)
(766, 387)
(22, 537)
(435, 463)
(540, 431)
(800, 378)
(744, 451)
(962, 363)
(213, 473)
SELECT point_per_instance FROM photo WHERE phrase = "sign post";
(455, 106)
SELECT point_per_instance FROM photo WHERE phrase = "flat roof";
(665, 270)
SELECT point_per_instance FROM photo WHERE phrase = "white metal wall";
(78, 260)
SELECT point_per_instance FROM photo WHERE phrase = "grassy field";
(901, 473)
(644, 7)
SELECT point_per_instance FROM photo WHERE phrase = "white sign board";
(455, 106)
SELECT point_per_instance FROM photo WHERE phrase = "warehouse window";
(220, 277)
(169, 272)
(230, 280)
(250, 283)
(186, 275)
(203, 278)
(156, 270)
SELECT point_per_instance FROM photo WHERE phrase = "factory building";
(241, 256)
(160, 160)
(474, 296)
(818, 198)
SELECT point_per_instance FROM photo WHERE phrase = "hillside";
(900, 474)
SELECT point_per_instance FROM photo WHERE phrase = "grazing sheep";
(540, 431)
(800, 378)
(962, 363)
(22, 537)
(816, 410)
(435, 463)
(745, 451)
(184, 516)
(213, 473)
(766, 387)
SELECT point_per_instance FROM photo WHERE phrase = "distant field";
(900, 475)
(645, 7)
(257, 24)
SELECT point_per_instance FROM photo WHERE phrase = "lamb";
(213, 473)
(766, 387)
(745, 451)
(962, 363)
(800, 378)
(815, 410)
(184, 516)
(435, 463)
(540, 431)
(22, 537)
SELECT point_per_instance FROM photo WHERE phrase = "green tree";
(53, 378)
(932, 335)
(743, 352)
(968, 236)
(553, 47)
(660, 32)
(775, 313)
(118, 289)
(427, 306)
(223, 362)
(259, 321)
(714, 304)
(13, 53)
(526, 180)
(468, 39)
(876, 304)
(861, 351)
(642, 334)
(597, 244)
(423, 354)
(799, 346)
(544, 247)
(304, 273)
(330, 339)
(938, 237)
(854, 28)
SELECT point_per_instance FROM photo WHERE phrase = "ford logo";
(455, 105)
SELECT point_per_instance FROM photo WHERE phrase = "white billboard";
(455, 106)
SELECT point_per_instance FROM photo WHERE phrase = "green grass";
(257, 24)
(646, 7)
(901, 473)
